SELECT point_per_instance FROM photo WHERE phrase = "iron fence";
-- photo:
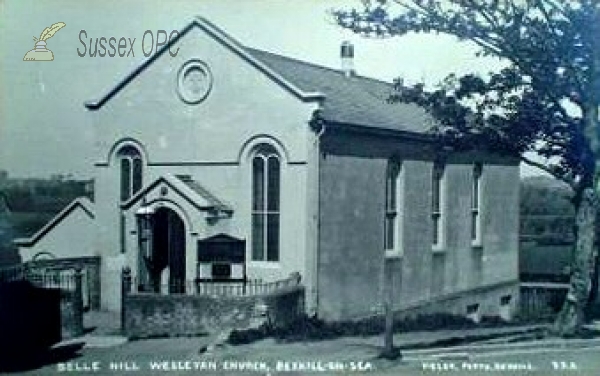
(541, 300)
(197, 287)
(13, 273)
(249, 288)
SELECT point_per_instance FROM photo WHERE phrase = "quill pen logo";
(40, 52)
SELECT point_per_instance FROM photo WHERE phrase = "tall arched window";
(130, 161)
(266, 168)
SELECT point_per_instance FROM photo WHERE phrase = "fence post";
(78, 302)
(125, 289)
(25, 272)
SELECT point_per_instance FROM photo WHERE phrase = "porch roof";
(187, 188)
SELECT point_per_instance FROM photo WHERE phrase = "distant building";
(309, 168)
(33, 204)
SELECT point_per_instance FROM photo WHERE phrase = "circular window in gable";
(194, 82)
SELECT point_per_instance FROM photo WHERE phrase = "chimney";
(347, 56)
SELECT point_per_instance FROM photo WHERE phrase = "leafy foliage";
(541, 195)
(545, 101)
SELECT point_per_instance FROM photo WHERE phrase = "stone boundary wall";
(154, 315)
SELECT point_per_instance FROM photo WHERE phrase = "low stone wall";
(70, 318)
(488, 300)
(155, 315)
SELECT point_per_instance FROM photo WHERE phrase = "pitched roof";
(200, 190)
(189, 189)
(225, 40)
(350, 99)
(354, 100)
(82, 203)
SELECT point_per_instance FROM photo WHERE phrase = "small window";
(437, 204)
(476, 205)
(472, 309)
(473, 313)
(505, 300)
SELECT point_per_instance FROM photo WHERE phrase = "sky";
(43, 125)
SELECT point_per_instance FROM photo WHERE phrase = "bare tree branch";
(550, 171)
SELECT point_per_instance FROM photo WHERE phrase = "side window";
(392, 201)
(476, 204)
(437, 203)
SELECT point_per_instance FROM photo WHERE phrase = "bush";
(243, 337)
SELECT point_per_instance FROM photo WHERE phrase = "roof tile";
(352, 99)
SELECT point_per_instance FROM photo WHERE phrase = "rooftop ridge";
(253, 50)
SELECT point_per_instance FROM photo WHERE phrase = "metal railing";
(250, 288)
(195, 287)
(63, 279)
(13, 273)
(541, 300)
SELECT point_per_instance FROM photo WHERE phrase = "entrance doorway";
(168, 252)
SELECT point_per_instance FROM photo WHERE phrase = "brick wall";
(154, 315)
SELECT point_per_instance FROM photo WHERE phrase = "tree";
(545, 101)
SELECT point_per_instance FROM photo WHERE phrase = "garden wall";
(154, 315)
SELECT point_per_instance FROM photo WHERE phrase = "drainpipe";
(321, 133)
(317, 124)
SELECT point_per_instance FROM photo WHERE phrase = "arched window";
(130, 162)
(266, 168)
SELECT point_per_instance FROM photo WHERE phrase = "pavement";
(102, 342)
(102, 345)
(103, 331)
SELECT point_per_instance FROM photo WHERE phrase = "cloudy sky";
(43, 126)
